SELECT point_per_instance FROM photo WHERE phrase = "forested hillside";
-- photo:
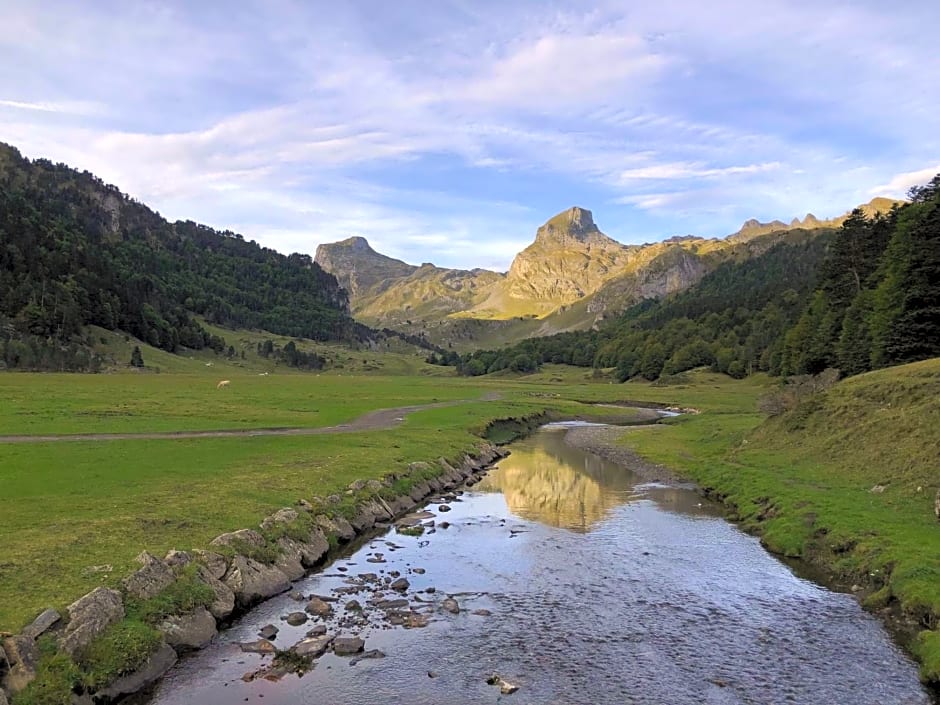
(75, 251)
(865, 297)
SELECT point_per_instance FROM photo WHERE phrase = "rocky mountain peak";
(575, 223)
(357, 266)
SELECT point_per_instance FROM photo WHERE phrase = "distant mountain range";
(571, 277)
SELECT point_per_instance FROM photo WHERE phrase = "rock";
(450, 605)
(289, 563)
(318, 630)
(505, 687)
(936, 505)
(89, 616)
(444, 525)
(443, 508)
(22, 658)
(152, 578)
(312, 647)
(374, 653)
(338, 526)
(262, 646)
(482, 613)
(178, 559)
(318, 607)
(252, 581)
(295, 619)
(418, 571)
(347, 645)
(244, 538)
(304, 505)
(356, 485)
(190, 631)
(877, 489)
(392, 604)
(353, 606)
(3, 698)
(414, 620)
(430, 590)
(159, 663)
(215, 563)
(268, 631)
(41, 624)
(374, 485)
(224, 603)
(400, 585)
(363, 520)
(281, 516)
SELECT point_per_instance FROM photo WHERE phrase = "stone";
(215, 563)
(312, 647)
(392, 604)
(304, 505)
(152, 578)
(356, 485)
(318, 607)
(364, 519)
(505, 687)
(311, 551)
(239, 539)
(281, 516)
(451, 605)
(89, 616)
(414, 620)
(41, 624)
(22, 658)
(347, 645)
(338, 526)
(353, 606)
(252, 581)
(289, 563)
(224, 603)
(374, 485)
(936, 505)
(261, 646)
(295, 619)
(877, 489)
(482, 613)
(268, 631)
(443, 508)
(153, 670)
(373, 653)
(400, 585)
(3, 698)
(318, 630)
(190, 631)
(178, 559)
(297, 596)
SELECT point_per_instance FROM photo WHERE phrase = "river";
(589, 587)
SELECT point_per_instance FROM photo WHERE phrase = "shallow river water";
(600, 589)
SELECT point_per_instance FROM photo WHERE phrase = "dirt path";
(378, 420)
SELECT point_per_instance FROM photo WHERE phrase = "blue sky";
(448, 130)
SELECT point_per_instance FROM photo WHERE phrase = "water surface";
(599, 590)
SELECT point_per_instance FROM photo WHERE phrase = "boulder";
(22, 658)
(295, 619)
(224, 603)
(450, 605)
(178, 559)
(148, 674)
(190, 631)
(318, 630)
(268, 631)
(400, 585)
(336, 526)
(419, 491)
(252, 581)
(41, 624)
(347, 645)
(364, 519)
(374, 486)
(262, 646)
(505, 687)
(289, 563)
(152, 578)
(89, 616)
(318, 607)
(312, 647)
(238, 539)
(281, 516)
(311, 551)
(374, 653)
(215, 563)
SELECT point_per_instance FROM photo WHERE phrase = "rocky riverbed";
(561, 577)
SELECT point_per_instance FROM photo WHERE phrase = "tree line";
(864, 296)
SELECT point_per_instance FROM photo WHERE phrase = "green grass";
(803, 481)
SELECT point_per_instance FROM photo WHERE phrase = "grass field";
(68, 507)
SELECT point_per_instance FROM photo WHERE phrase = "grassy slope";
(804, 481)
(66, 507)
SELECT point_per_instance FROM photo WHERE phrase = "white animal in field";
(223, 383)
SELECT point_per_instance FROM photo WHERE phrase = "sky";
(447, 131)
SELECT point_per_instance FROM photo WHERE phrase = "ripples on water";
(601, 591)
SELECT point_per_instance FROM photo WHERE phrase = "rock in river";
(347, 645)
(318, 607)
(295, 619)
(450, 605)
(268, 631)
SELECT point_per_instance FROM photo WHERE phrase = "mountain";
(78, 252)
(754, 228)
(357, 266)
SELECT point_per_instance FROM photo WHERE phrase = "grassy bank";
(74, 515)
(847, 480)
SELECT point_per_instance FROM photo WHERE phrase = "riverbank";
(845, 482)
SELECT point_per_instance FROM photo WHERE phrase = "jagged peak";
(575, 222)
(356, 242)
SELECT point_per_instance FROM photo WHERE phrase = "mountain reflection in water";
(548, 481)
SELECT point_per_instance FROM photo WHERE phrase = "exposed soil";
(602, 441)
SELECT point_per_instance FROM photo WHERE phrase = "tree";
(137, 359)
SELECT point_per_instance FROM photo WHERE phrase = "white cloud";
(899, 185)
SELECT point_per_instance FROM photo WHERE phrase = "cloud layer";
(448, 132)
